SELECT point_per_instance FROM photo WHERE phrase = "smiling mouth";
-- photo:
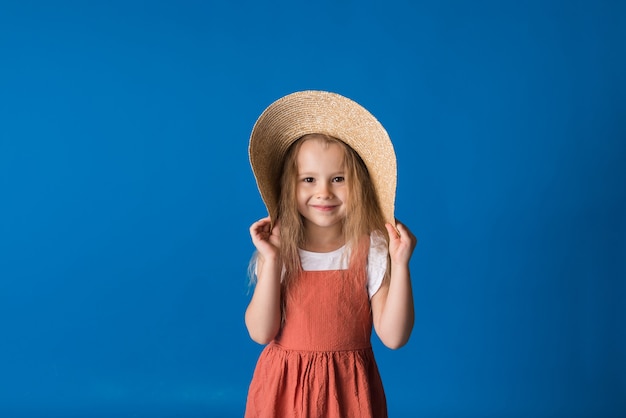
(324, 208)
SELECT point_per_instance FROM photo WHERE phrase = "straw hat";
(308, 112)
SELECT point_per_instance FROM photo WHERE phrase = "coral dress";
(321, 364)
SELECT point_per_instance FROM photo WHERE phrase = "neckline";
(314, 253)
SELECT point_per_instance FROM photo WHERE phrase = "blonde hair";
(363, 213)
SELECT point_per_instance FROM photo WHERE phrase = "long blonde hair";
(363, 213)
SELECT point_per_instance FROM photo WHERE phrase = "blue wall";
(126, 197)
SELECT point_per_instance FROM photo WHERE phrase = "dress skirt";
(321, 365)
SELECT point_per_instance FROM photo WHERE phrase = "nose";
(324, 191)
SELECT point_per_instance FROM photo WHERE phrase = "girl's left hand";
(401, 243)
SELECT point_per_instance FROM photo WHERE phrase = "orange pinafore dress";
(321, 364)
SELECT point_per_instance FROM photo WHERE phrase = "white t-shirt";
(338, 260)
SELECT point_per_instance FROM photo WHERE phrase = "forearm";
(397, 315)
(263, 315)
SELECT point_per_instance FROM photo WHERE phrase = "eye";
(308, 180)
(339, 179)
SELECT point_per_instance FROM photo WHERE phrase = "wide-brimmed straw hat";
(319, 112)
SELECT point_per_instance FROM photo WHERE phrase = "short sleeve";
(376, 263)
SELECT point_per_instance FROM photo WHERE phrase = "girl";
(330, 260)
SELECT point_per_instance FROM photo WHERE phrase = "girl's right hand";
(265, 238)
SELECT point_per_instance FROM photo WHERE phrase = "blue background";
(126, 197)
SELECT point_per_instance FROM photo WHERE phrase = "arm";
(392, 305)
(263, 315)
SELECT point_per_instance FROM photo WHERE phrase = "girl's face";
(321, 190)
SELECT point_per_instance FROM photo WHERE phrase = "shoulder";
(378, 244)
(376, 262)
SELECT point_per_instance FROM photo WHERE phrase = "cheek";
(299, 192)
(344, 196)
(301, 196)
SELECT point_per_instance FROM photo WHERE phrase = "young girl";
(331, 260)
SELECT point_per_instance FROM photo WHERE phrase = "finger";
(393, 232)
(406, 234)
(260, 223)
(263, 220)
(259, 233)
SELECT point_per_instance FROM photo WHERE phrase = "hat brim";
(318, 112)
